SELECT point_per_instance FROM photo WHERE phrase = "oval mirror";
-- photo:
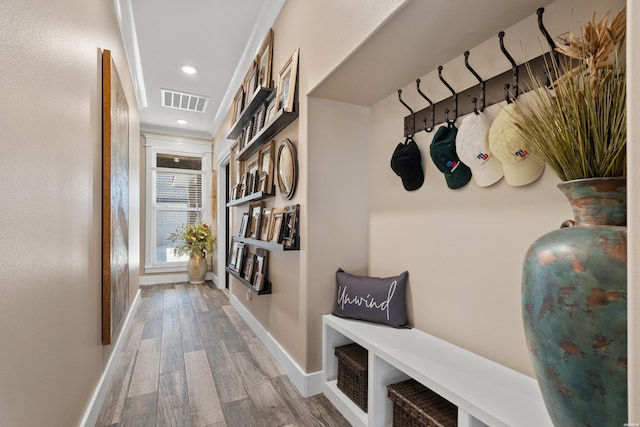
(287, 169)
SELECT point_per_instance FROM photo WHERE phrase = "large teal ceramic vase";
(574, 306)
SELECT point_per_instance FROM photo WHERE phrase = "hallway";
(190, 360)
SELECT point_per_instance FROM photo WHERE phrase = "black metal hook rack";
(512, 82)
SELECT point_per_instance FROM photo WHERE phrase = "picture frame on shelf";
(259, 266)
(252, 183)
(255, 221)
(270, 112)
(244, 185)
(250, 82)
(277, 216)
(240, 140)
(266, 163)
(289, 225)
(266, 224)
(248, 132)
(239, 257)
(286, 86)
(258, 281)
(238, 104)
(260, 117)
(248, 268)
(236, 249)
(265, 60)
(244, 223)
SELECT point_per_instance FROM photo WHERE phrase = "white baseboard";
(92, 413)
(307, 384)
(161, 279)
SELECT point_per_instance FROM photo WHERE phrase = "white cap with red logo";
(472, 146)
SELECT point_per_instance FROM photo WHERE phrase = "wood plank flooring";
(190, 360)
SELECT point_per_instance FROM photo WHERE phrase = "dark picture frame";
(290, 225)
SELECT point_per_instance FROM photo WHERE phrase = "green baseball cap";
(444, 156)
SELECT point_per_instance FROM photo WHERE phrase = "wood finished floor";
(190, 360)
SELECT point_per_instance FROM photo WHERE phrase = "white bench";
(485, 392)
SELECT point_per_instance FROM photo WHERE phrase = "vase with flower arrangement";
(196, 241)
(574, 283)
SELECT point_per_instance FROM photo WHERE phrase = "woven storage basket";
(414, 405)
(353, 375)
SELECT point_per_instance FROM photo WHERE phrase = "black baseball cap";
(406, 162)
(444, 156)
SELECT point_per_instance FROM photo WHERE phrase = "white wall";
(51, 356)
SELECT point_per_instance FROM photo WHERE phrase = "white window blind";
(177, 194)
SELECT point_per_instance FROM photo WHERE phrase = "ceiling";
(219, 38)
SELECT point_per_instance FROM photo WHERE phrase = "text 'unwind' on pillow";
(374, 299)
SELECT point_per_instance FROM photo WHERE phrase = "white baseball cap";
(520, 168)
(472, 146)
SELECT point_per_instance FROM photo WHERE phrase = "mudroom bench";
(485, 392)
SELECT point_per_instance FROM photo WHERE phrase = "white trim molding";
(307, 384)
(92, 413)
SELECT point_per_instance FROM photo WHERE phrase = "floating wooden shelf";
(265, 290)
(268, 245)
(260, 195)
(259, 97)
(281, 120)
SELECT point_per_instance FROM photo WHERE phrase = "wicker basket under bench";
(414, 405)
(353, 373)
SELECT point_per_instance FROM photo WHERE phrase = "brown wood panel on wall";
(115, 200)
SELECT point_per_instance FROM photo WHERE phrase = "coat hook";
(514, 67)
(507, 94)
(433, 110)
(474, 101)
(482, 86)
(408, 132)
(550, 41)
(455, 99)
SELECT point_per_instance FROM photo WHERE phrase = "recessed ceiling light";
(181, 121)
(188, 69)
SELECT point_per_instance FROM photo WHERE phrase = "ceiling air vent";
(183, 101)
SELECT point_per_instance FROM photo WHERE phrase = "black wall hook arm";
(433, 110)
(514, 67)
(477, 76)
(547, 36)
(455, 98)
(409, 130)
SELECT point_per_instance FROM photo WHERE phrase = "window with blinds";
(178, 200)
(176, 195)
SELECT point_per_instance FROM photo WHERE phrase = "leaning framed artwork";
(265, 58)
(115, 200)
(286, 91)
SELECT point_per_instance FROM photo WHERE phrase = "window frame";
(155, 145)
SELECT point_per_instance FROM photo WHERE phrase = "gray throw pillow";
(374, 299)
